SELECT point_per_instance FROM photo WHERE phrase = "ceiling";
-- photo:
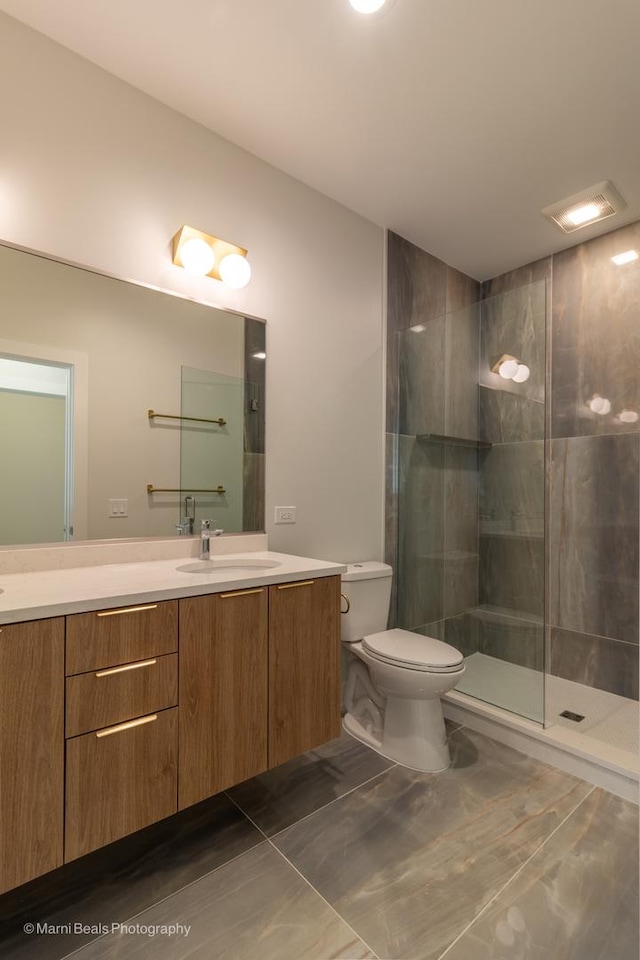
(452, 122)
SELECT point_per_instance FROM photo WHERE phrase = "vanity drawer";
(111, 637)
(119, 780)
(104, 697)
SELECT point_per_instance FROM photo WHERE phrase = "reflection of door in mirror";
(35, 479)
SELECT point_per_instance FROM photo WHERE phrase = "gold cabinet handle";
(240, 593)
(300, 583)
(126, 726)
(344, 597)
(116, 613)
(126, 668)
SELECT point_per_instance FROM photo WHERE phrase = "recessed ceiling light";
(627, 257)
(367, 6)
(589, 206)
(584, 213)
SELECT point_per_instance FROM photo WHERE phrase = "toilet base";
(424, 748)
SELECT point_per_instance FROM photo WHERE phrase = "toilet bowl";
(395, 678)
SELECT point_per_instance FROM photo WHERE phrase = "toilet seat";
(413, 651)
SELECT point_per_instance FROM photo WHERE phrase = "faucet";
(205, 538)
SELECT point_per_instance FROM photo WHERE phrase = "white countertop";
(53, 593)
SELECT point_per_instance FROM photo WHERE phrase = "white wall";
(98, 173)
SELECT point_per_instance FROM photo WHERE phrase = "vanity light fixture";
(627, 257)
(589, 206)
(600, 405)
(205, 256)
(510, 368)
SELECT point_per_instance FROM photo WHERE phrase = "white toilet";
(394, 678)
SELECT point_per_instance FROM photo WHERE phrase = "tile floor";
(340, 854)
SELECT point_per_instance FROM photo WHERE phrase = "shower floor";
(608, 719)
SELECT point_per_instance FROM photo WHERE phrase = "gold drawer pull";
(300, 583)
(126, 726)
(115, 613)
(126, 668)
(240, 593)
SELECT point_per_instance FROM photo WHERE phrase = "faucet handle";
(205, 525)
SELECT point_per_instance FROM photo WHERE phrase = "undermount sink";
(222, 565)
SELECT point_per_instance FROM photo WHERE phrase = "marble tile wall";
(429, 391)
(592, 460)
(586, 564)
(254, 426)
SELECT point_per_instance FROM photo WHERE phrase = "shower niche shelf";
(453, 441)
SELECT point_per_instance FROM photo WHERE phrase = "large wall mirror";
(124, 411)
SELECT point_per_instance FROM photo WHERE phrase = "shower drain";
(570, 715)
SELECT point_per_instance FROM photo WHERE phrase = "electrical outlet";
(285, 515)
(118, 508)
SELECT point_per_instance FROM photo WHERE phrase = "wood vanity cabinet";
(223, 691)
(259, 681)
(121, 723)
(31, 749)
(304, 666)
(256, 674)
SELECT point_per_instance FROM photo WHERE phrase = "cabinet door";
(31, 749)
(304, 666)
(119, 780)
(223, 692)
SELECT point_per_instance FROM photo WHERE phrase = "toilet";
(394, 678)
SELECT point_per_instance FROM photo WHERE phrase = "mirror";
(111, 405)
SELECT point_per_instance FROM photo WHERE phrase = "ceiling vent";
(589, 206)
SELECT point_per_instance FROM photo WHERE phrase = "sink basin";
(222, 565)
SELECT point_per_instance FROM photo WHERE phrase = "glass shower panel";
(471, 493)
(212, 455)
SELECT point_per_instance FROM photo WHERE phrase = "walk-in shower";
(513, 483)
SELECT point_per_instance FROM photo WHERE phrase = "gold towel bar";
(151, 489)
(221, 422)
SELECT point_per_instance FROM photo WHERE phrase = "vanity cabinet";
(121, 723)
(31, 749)
(304, 666)
(155, 707)
(223, 691)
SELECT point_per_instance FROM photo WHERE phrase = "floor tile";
(280, 797)
(122, 879)
(255, 908)
(410, 859)
(577, 899)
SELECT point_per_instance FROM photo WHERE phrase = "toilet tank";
(367, 587)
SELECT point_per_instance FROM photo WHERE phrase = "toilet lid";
(412, 649)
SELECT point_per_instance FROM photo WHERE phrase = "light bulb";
(259, 356)
(197, 256)
(629, 416)
(508, 369)
(235, 271)
(522, 373)
(600, 405)
(367, 6)
(584, 213)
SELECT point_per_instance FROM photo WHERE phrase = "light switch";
(118, 508)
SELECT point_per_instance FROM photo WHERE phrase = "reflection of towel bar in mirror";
(221, 422)
(151, 489)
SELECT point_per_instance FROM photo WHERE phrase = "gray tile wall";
(430, 391)
(586, 565)
(592, 460)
